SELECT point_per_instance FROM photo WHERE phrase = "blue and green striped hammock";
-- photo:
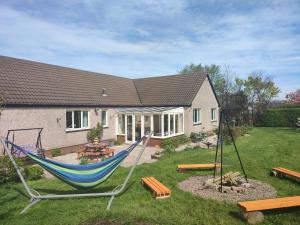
(79, 176)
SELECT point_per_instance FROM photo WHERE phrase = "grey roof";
(24, 82)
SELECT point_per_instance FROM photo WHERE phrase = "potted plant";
(95, 132)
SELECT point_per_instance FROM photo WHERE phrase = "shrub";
(281, 117)
(7, 170)
(95, 132)
(84, 160)
(170, 144)
(236, 132)
(196, 137)
(55, 152)
(117, 142)
(33, 172)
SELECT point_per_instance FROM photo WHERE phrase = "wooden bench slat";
(153, 185)
(198, 166)
(160, 190)
(287, 172)
(266, 204)
(162, 187)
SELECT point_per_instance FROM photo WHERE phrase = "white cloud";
(136, 38)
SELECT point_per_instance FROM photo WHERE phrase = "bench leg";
(180, 170)
(253, 217)
(273, 173)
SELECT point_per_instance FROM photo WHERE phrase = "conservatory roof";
(151, 110)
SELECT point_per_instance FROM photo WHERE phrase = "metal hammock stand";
(35, 196)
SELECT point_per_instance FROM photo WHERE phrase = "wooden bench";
(285, 172)
(181, 168)
(159, 190)
(251, 210)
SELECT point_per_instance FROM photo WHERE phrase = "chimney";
(104, 92)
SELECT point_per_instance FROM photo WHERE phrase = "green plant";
(281, 117)
(95, 132)
(7, 170)
(84, 161)
(196, 137)
(56, 152)
(33, 172)
(170, 144)
(117, 142)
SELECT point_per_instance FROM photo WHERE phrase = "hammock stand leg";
(117, 191)
(33, 201)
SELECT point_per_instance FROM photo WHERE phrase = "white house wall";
(204, 100)
(53, 120)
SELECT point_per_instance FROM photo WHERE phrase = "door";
(138, 127)
(129, 128)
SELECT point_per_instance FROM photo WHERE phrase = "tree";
(215, 74)
(293, 97)
(260, 90)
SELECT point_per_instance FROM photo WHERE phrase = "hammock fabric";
(79, 176)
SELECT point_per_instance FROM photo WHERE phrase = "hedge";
(281, 117)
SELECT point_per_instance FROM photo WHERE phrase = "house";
(67, 102)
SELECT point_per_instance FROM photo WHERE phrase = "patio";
(146, 157)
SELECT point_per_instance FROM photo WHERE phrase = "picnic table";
(96, 151)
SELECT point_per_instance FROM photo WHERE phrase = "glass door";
(138, 127)
(129, 128)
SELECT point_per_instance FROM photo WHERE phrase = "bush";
(281, 117)
(236, 132)
(8, 172)
(84, 160)
(95, 132)
(170, 144)
(33, 172)
(196, 137)
(117, 142)
(55, 152)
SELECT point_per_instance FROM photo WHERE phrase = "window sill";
(106, 126)
(195, 124)
(213, 121)
(77, 129)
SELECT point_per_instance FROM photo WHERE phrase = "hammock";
(79, 176)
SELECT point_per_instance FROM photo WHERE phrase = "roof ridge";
(174, 75)
(63, 67)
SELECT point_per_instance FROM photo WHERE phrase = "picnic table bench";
(251, 210)
(159, 190)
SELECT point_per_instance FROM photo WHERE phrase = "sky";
(150, 38)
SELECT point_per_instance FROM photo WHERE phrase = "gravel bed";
(258, 190)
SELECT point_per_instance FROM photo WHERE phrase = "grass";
(263, 149)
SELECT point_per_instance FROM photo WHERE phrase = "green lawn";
(263, 149)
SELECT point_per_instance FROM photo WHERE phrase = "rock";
(238, 189)
(246, 185)
(253, 217)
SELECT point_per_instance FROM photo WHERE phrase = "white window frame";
(81, 120)
(198, 116)
(106, 118)
(215, 114)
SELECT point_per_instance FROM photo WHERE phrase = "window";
(77, 119)
(171, 124)
(121, 124)
(104, 118)
(147, 124)
(166, 124)
(213, 114)
(157, 125)
(196, 116)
